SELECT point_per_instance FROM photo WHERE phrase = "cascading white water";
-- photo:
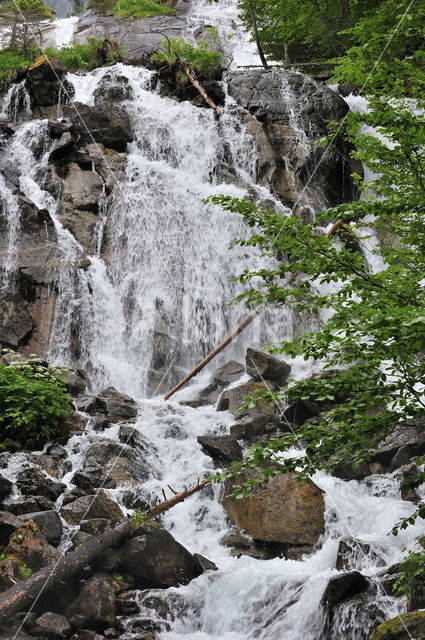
(167, 273)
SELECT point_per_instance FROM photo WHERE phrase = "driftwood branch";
(178, 497)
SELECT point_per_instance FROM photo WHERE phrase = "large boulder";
(251, 422)
(404, 627)
(287, 113)
(342, 587)
(155, 559)
(222, 377)
(46, 82)
(100, 123)
(30, 548)
(263, 366)
(139, 37)
(48, 522)
(285, 510)
(87, 507)
(52, 625)
(221, 447)
(119, 462)
(96, 603)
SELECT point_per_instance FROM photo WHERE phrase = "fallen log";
(335, 227)
(24, 595)
(178, 497)
(215, 352)
(188, 71)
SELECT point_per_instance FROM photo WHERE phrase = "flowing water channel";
(167, 274)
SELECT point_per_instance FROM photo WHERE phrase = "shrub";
(34, 404)
(11, 63)
(412, 580)
(199, 56)
(88, 56)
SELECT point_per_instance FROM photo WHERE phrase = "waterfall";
(153, 298)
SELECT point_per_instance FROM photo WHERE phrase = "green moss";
(402, 628)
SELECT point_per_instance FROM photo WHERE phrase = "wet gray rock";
(28, 546)
(5, 487)
(139, 37)
(155, 559)
(113, 87)
(57, 127)
(48, 522)
(352, 554)
(76, 381)
(288, 145)
(263, 366)
(119, 462)
(221, 447)
(233, 400)
(8, 524)
(45, 81)
(237, 538)
(62, 148)
(204, 563)
(33, 482)
(16, 322)
(52, 625)
(342, 587)
(408, 437)
(96, 603)
(221, 378)
(111, 127)
(116, 406)
(86, 507)
(95, 526)
(109, 164)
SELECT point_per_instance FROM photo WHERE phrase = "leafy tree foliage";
(357, 31)
(374, 335)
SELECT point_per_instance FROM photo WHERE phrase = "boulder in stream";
(284, 511)
(263, 366)
(155, 559)
(404, 627)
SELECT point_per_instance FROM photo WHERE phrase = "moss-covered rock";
(405, 627)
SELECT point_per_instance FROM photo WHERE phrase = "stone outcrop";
(285, 511)
(29, 547)
(100, 123)
(286, 112)
(139, 37)
(46, 82)
(254, 421)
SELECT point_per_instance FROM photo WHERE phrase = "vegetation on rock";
(133, 8)
(200, 56)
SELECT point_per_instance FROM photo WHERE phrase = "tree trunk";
(23, 595)
(256, 36)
